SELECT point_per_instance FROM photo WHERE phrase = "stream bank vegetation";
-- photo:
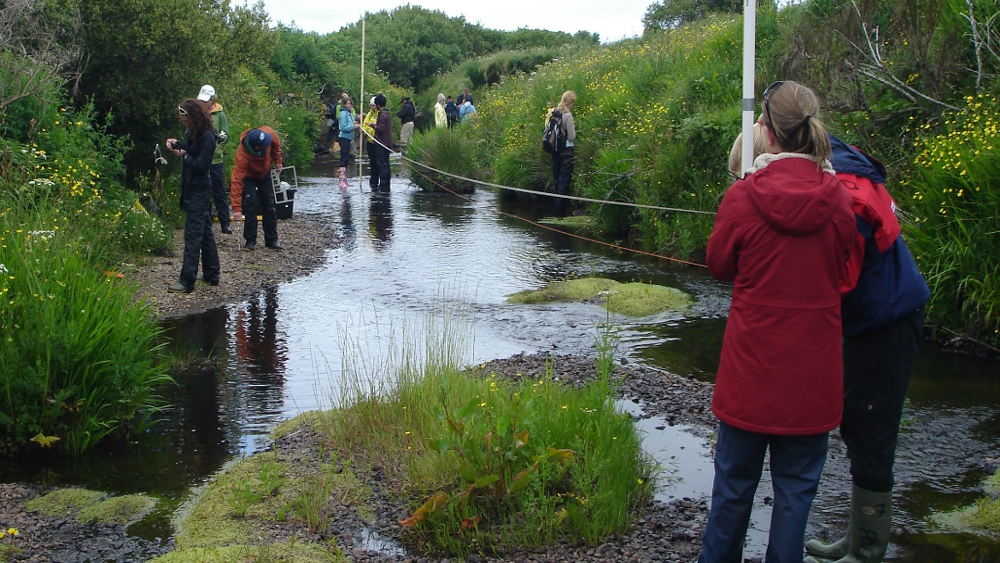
(910, 82)
(458, 461)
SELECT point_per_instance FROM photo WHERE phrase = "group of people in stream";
(251, 189)
(827, 310)
(826, 317)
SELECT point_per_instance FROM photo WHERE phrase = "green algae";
(64, 502)
(632, 299)
(982, 517)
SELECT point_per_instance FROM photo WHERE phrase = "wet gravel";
(61, 539)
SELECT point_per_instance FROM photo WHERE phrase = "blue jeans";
(796, 466)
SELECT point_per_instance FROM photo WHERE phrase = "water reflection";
(348, 235)
(380, 219)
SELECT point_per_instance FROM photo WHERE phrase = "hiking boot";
(226, 230)
(274, 246)
(180, 288)
(203, 280)
(250, 246)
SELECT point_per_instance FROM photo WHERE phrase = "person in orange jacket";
(250, 187)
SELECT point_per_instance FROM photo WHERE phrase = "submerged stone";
(632, 299)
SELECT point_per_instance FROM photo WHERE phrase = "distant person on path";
(883, 323)
(368, 128)
(346, 124)
(784, 236)
(562, 161)
(250, 187)
(197, 150)
(383, 136)
(440, 116)
(406, 114)
(221, 125)
(466, 110)
(451, 112)
(331, 124)
(463, 97)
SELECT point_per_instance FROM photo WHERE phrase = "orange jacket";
(248, 165)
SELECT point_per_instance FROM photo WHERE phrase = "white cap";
(206, 94)
(373, 101)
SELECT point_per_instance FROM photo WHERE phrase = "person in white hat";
(220, 195)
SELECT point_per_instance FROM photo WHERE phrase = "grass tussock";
(488, 463)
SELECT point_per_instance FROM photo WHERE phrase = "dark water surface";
(406, 257)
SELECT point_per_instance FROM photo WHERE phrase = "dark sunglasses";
(767, 109)
(181, 110)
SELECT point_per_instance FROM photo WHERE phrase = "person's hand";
(278, 167)
(172, 144)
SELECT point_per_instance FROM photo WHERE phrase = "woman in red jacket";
(783, 235)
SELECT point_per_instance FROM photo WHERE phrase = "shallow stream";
(404, 258)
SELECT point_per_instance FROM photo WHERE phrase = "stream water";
(408, 255)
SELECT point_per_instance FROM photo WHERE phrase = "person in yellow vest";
(368, 128)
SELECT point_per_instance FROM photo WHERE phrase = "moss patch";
(87, 506)
(125, 510)
(981, 517)
(632, 299)
(64, 502)
(299, 552)
(573, 222)
(289, 426)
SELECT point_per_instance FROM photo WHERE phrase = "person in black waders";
(197, 150)
(250, 187)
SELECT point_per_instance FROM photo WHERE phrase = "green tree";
(671, 14)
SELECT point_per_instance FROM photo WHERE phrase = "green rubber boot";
(868, 530)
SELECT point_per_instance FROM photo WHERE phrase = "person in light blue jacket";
(346, 121)
(466, 110)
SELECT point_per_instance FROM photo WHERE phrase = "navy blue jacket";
(890, 286)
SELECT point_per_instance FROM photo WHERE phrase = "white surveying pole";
(364, 109)
(749, 53)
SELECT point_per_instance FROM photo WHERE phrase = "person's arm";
(382, 123)
(276, 150)
(223, 128)
(346, 122)
(570, 127)
(723, 243)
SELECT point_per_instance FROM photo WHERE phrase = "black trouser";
(345, 151)
(258, 195)
(198, 238)
(562, 175)
(384, 172)
(220, 193)
(877, 367)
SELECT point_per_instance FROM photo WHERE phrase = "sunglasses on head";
(767, 109)
(181, 110)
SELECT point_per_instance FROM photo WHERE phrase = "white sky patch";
(612, 20)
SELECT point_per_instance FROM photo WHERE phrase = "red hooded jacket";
(784, 235)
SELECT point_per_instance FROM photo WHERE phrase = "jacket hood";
(792, 193)
(848, 159)
(216, 108)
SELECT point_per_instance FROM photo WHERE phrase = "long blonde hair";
(736, 153)
(568, 99)
(791, 112)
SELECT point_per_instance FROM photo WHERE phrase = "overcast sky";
(612, 20)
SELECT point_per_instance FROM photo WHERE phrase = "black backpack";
(554, 138)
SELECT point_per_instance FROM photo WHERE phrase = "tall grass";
(954, 226)
(77, 354)
(405, 427)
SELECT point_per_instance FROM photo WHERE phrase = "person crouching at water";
(197, 150)
(783, 235)
(250, 187)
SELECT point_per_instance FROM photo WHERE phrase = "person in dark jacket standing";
(383, 140)
(197, 150)
(562, 161)
(883, 322)
(406, 115)
(451, 112)
(784, 236)
(220, 195)
(251, 188)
